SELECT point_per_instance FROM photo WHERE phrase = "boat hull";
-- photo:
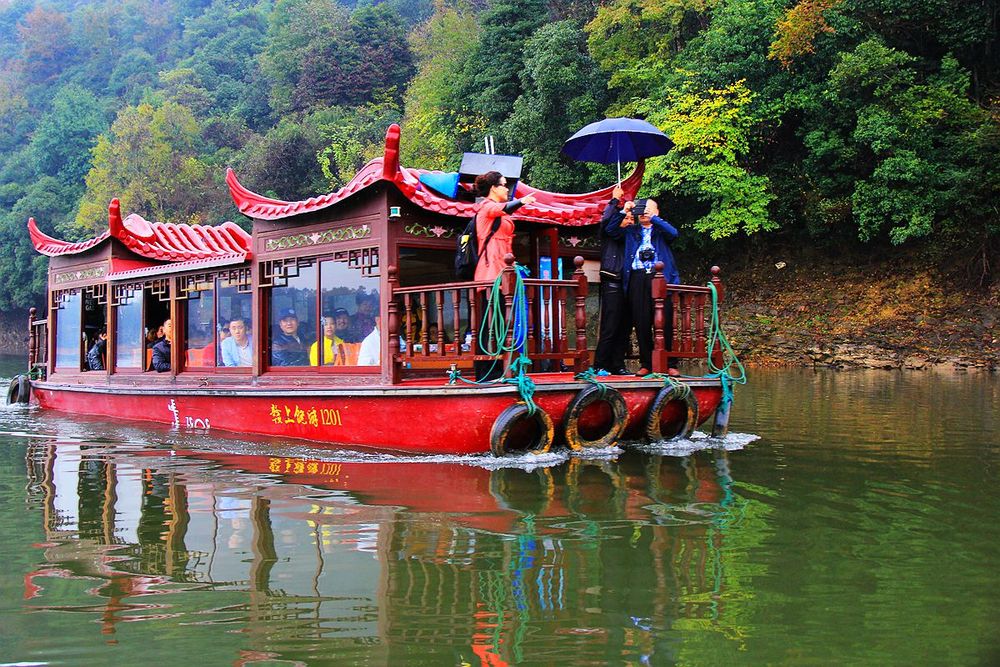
(420, 419)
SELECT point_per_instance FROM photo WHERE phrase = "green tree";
(308, 42)
(282, 163)
(355, 138)
(151, 162)
(920, 153)
(66, 135)
(431, 125)
(563, 89)
(491, 78)
(710, 130)
(23, 272)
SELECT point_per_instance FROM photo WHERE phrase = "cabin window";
(293, 314)
(129, 329)
(215, 305)
(234, 306)
(321, 311)
(68, 331)
(200, 326)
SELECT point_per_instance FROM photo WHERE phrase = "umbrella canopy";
(617, 140)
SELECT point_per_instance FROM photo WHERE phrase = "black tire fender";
(669, 394)
(588, 396)
(506, 422)
(19, 390)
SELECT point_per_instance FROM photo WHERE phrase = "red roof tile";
(550, 207)
(161, 241)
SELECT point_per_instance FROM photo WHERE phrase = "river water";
(851, 518)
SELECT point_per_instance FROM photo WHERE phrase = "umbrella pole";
(618, 154)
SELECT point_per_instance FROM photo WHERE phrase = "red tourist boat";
(322, 270)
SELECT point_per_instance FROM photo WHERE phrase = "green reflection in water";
(860, 529)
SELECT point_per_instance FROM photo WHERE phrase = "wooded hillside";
(815, 121)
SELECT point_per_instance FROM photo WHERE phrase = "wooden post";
(32, 338)
(582, 351)
(392, 326)
(720, 289)
(659, 293)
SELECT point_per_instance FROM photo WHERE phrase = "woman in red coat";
(495, 238)
(494, 226)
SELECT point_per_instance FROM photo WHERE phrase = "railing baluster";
(529, 344)
(474, 317)
(546, 317)
(408, 305)
(439, 297)
(456, 317)
(32, 338)
(425, 325)
(676, 323)
(563, 336)
(699, 323)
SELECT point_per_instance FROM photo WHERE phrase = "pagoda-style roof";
(157, 241)
(553, 208)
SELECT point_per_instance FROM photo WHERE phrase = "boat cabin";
(355, 287)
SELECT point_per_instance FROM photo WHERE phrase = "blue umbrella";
(617, 139)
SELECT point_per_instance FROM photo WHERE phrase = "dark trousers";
(640, 299)
(615, 326)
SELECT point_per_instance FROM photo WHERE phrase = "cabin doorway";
(156, 311)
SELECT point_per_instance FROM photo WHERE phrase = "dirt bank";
(850, 311)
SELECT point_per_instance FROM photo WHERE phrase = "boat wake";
(732, 442)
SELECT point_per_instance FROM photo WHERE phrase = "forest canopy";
(815, 120)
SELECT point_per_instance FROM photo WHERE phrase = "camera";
(647, 255)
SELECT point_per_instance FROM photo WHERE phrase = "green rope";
(671, 381)
(730, 362)
(493, 340)
(525, 385)
(590, 375)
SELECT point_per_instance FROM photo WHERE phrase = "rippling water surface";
(852, 518)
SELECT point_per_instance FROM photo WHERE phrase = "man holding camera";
(614, 330)
(647, 241)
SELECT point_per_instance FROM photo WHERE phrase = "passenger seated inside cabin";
(153, 336)
(363, 321)
(370, 353)
(237, 348)
(161, 351)
(96, 354)
(333, 345)
(342, 324)
(288, 348)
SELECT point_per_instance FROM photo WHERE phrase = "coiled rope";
(493, 338)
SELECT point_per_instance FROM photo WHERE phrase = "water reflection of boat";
(381, 247)
(493, 566)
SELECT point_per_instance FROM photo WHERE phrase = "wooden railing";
(553, 307)
(548, 338)
(38, 336)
